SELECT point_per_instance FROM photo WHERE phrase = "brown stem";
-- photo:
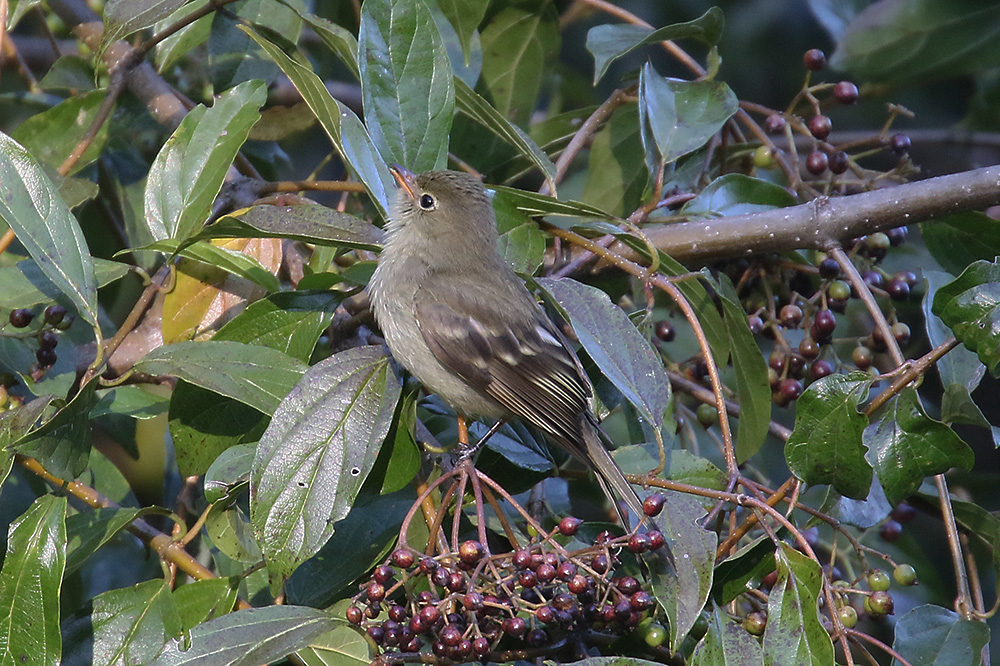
(309, 185)
(579, 140)
(963, 602)
(910, 372)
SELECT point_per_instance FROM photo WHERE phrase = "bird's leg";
(466, 450)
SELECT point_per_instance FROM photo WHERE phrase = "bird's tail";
(614, 484)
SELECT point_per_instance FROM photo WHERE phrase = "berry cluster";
(472, 604)
(823, 156)
(54, 318)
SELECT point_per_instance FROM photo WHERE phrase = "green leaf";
(959, 239)
(521, 242)
(683, 593)
(33, 209)
(62, 443)
(348, 134)
(29, 584)
(184, 41)
(517, 46)
(346, 645)
(233, 57)
(826, 443)
(615, 177)
(249, 637)
(25, 285)
(736, 194)
(256, 376)
(681, 116)
(132, 401)
(970, 306)
(609, 42)
(228, 260)
(124, 626)
(308, 223)
(959, 369)
(465, 16)
(935, 636)
(203, 600)
(795, 635)
(124, 17)
(316, 453)
(468, 102)
(204, 424)
(189, 170)
(906, 41)
(735, 574)
(229, 471)
(406, 83)
(726, 643)
(907, 445)
(752, 383)
(622, 353)
(359, 542)
(89, 530)
(50, 136)
(535, 204)
(336, 38)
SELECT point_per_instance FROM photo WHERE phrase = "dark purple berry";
(515, 626)
(628, 585)
(521, 559)
(790, 316)
(398, 613)
(903, 513)
(755, 323)
(898, 289)
(665, 330)
(641, 601)
(546, 614)
(428, 565)
(527, 579)
(480, 646)
(473, 601)
(829, 268)
(821, 369)
(375, 592)
(599, 563)
(790, 389)
(900, 143)
(874, 279)
(638, 543)
(656, 539)
(450, 635)
(839, 162)
(21, 317)
(566, 570)
(54, 315)
(896, 235)
(46, 357)
(816, 162)
(441, 576)
(545, 572)
(376, 633)
(382, 574)
(537, 638)
(890, 530)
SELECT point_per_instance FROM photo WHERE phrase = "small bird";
(455, 315)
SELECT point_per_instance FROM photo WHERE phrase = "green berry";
(878, 581)
(905, 574)
(848, 616)
(707, 415)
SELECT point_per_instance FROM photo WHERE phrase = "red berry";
(403, 558)
(790, 316)
(473, 601)
(545, 573)
(546, 614)
(628, 585)
(653, 504)
(820, 127)
(521, 559)
(638, 543)
(566, 570)
(383, 574)
(809, 348)
(656, 539)
(814, 59)
(774, 123)
(790, 389)
(354, 615)
(471, 551)
(569, 525)
(480, 646)
(515, 626)
(375, 592)
(845, 92)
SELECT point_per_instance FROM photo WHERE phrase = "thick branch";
(824, 221)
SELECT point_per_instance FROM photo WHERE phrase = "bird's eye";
(428, 202)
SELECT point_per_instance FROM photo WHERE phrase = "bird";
(454, 313)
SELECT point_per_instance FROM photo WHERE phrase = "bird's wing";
(522, 363)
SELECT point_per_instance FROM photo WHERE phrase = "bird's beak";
(405, 178)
